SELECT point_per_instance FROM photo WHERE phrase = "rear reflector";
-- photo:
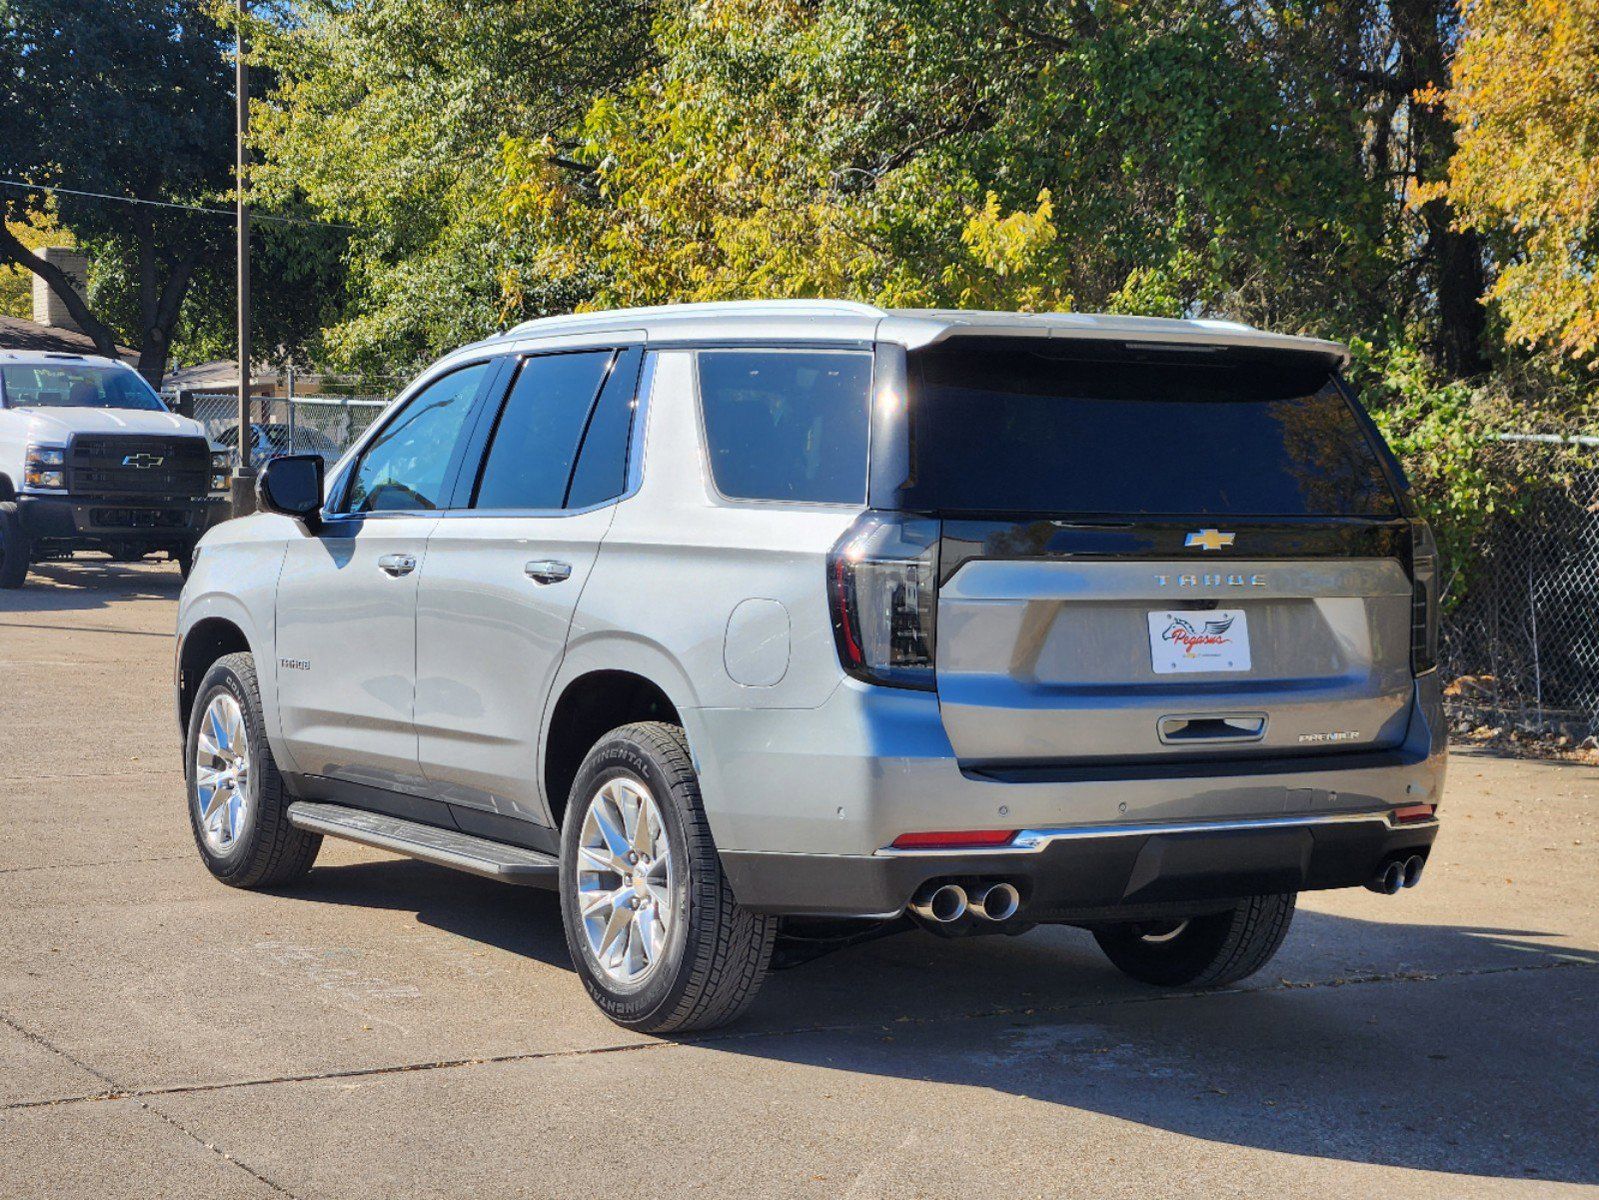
(1413, 812)
(944, 839)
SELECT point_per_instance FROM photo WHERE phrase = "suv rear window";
(787, 424)
(1002, 426)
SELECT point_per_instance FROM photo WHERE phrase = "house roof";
(18, 333)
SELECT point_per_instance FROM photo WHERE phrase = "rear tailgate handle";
(1213, 727)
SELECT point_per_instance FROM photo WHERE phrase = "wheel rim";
(222, 774)
(625, 881)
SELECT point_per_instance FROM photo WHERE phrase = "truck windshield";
(75, 385)
(998, 426)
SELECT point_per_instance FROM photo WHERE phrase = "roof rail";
(711, 308)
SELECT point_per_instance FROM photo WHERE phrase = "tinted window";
(536, 438)
(601, 473)
(999, 427)
(787, 425)
(406, 467)
(51, 386)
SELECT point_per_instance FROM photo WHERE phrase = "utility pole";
(244, 470)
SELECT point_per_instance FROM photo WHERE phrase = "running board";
(443, 847)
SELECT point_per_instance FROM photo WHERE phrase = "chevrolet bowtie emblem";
(1208, 539)
(146, 462)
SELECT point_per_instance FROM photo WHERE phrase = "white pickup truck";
(91, 459)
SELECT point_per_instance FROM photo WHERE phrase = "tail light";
(1424, 599)
(882, 586)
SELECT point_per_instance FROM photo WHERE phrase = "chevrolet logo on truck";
(143, 461)
(1208, 539)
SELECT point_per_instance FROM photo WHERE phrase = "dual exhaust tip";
(946, 903)
(1397, 873)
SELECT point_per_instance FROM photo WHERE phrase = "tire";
(184, 557)
(261, 848)
(1208, 951)
(15, 549)
(700, 958)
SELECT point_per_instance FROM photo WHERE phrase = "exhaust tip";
(941, 904)
(996, 901)
(1389, 880)
(1413, 868)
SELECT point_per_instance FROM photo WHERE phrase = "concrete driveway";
(391, 1029)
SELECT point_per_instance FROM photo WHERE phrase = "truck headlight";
(221, 468)
(45, 467)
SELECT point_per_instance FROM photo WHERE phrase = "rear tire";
(1201, 952)
(654, 931)
(15, 548)
(239, 816)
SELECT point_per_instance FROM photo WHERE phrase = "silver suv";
(760, 629)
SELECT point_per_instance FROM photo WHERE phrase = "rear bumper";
(89, 522)
(803, 803)
(1094, 873)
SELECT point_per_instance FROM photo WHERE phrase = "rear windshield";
(1003, 427)
(51, 386)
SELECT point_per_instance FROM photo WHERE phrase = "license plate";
(1217, 640)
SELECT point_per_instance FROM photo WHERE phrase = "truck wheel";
(1207, 951)
(14, 547)
(184, 557)
(654, 931)
(237, 798)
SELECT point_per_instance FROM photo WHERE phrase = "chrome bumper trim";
(1032, 841)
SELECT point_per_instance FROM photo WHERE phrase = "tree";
(132, 98)
(389, 115)
(1199, 157)
(1525, 97)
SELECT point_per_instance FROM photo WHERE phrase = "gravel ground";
(390, 1029)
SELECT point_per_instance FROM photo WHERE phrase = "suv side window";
(601, 471)
(536, 438)
(406, 468)
(787, 424)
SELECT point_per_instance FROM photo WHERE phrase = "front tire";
(654, 931)
(15, 549)
(237, 799)
(1201, 952)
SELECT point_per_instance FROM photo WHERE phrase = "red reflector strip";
(1414, 812)
(945, 838)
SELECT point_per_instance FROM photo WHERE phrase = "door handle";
(547, 570)
(397, 564)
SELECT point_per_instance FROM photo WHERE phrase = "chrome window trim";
(635, 464)
(1034, 841)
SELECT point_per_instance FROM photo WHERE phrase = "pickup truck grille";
(139, 466)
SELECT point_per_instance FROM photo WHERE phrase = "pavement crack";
(714, 1039)
(115, 1091)
(73, 866)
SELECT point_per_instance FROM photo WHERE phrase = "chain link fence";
(1520, 636)
(324, 425)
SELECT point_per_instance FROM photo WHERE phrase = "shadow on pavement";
(83, 584)
(1497, 1075)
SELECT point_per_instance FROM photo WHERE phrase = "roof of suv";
(911, 327)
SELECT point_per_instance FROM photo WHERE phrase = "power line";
(22, 185)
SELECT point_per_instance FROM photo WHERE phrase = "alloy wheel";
(625, 881)
(222, 774)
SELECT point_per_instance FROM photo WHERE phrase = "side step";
(444, 847)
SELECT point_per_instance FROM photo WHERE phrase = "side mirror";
(292, 485)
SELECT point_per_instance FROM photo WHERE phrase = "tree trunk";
(1427, 32)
